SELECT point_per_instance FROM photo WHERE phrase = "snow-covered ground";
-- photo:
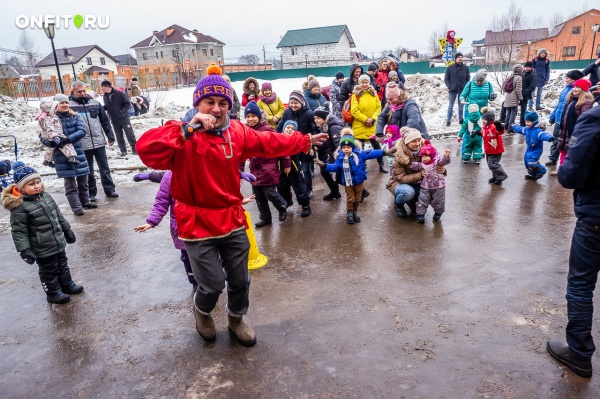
(16, 118)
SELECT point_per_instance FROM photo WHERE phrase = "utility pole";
(264, 58)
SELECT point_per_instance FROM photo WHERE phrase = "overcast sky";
(245, 26)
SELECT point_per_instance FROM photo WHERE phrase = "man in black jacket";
(117, 106)
(580, 173)
(348, 85)
(96, 125)
(457, 76)
(529, 85)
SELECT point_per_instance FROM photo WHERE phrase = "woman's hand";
(142, 228)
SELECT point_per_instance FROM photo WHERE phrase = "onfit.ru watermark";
(63, 21)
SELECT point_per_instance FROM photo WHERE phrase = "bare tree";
(179, 55)
(396, 52)
(249, 59)
(508, 50)
(27, 46)
(440, 33)
(15, 62)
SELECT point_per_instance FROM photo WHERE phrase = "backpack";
(508, 85)
(347, 110)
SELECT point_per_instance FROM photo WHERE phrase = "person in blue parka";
(75, 175)
(534, 137)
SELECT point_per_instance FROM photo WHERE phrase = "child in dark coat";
(266, 171)
(351, 162)
(40, 233)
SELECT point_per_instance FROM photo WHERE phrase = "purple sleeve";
(162, 202)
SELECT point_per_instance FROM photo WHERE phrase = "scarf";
(268, 100)
(347, 170)
(571, 116)
(396, 107)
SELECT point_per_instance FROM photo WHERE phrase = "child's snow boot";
(350, 217)
(401, 211)
(492, 180)
(421, 219)
(305, 211)
(355, 216)
(53, 292)
(65, 280)
(437, 216)
(241, 331)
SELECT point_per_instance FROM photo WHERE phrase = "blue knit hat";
(24, 174)
(213, 85)
(290, 122)
(532, 116)
(252, 108)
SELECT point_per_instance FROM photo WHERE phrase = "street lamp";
(595, 28)
(71, 58)
(49, 31)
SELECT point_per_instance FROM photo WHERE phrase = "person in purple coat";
(164, 203)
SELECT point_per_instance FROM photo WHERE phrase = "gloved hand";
(499, 126)
(28, 256)
(63, 141)
(551, 121)
(493, 96)
(56, 140)
(249, 177)
(551, 140)
(459, 139)
(70, 236)
(391, 151)
(141, 177)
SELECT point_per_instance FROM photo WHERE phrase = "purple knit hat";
(213, 85)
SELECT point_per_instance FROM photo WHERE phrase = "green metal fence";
(409, 68)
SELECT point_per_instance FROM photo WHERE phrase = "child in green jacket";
(40, 233)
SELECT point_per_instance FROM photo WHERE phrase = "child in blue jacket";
(351, 163)
(534, 137)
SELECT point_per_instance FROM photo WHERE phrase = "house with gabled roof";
(573, 39)
(84, 58)
(126, 64)
(176, 49)
(316, 47)
(511, 46)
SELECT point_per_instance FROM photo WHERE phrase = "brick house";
(573, 39)
(509, 47)
(316, 47)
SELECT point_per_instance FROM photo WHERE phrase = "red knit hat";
(583, 84)
(213, 85)
(428, 149)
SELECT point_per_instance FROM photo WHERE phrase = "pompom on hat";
(23, 175)
(213, 84)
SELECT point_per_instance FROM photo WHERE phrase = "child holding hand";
(433, 184)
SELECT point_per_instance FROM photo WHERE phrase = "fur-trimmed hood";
(11, 201)
(256, 87)
(359, 91)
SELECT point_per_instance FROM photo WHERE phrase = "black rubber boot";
(53, 292)
(305, 211)
(356, 217)
(64, 277)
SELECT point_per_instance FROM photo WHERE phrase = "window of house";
(576, 30)
(157, 55)
(174, 52)
(294, 51)
(204, 52)
(122, 69)
(144, 57)
(88, 60)
(568, 51)
(146, 70)
(161, 54)
(193, 51)
(102, 61)
(212, 52)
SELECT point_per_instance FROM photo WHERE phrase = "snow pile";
(14, 113)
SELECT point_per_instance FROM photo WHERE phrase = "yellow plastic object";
(255, 259)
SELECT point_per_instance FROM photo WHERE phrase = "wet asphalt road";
(386, 308)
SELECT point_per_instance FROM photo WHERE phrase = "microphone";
(190, 128)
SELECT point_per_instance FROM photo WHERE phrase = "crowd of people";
(367, 115)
